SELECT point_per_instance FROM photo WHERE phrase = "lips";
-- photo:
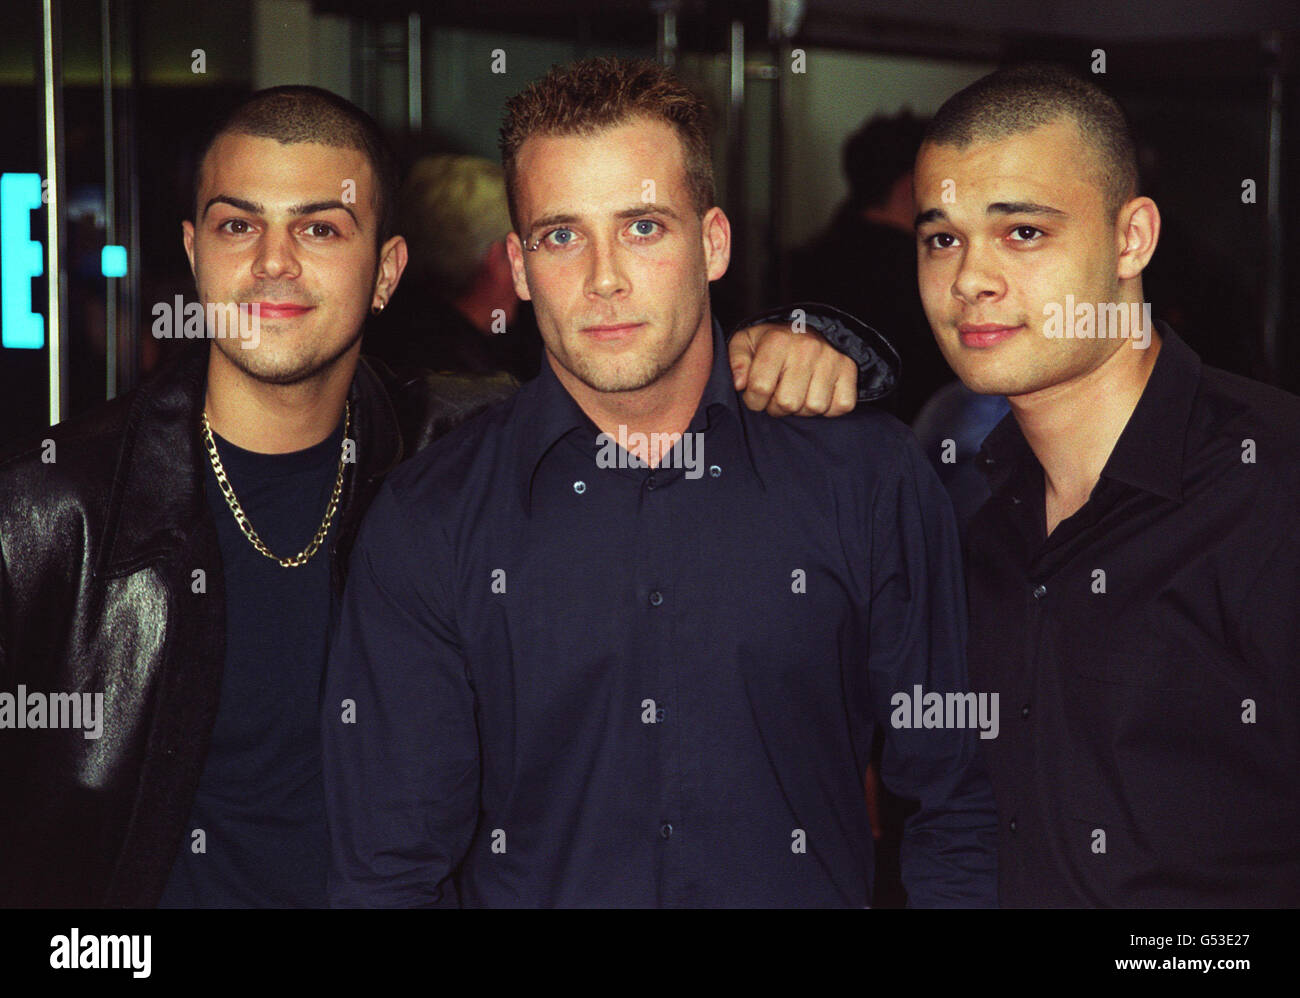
(611, 330)
(980, 335)
(282, 310)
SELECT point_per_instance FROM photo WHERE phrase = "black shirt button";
(656, 598)
(666, 830)
(1040, 591)
(1024, 712)
(650, 482)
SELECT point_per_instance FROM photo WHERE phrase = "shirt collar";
(547, 413)
(720, 389)
(1149, 452)
(1004, 453)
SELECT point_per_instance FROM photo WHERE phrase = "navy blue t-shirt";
(260, 802)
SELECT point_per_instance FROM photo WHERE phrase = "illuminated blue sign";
(112, 261)
(21, 259)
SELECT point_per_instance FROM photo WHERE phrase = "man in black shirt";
(1133, 579)
(259, 801)
(621, 641)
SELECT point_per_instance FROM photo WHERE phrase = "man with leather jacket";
(177, 553)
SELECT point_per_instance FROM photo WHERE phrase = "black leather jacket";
(98, 553)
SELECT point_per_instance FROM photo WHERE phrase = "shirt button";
(580, 487)
(666, 830)
(650, 482)
(714, 471)
(1013, 824)
(1024, 712)
(656, 598)
(1040, 591)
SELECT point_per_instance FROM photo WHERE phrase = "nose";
(607, 277)
(276, 256)
(979, 279)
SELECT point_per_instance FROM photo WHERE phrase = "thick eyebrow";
(312, 207)
(1022, 208)
(253, 208)
(249, 206)
(996, 208)
(546, 220)
(650, 208)
(930, 215)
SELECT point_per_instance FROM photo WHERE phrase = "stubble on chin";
(261, 366)
(617, 374)
(628, 372)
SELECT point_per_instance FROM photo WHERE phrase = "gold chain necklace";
(242, 519)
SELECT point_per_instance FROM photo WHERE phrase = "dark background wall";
(1195, 78)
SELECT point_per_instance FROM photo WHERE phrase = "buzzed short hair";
(1020, 98)
(293, 114)
(591, 95)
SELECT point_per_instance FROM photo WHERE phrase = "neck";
(663, 407)
(276, 419)
(1072, 428)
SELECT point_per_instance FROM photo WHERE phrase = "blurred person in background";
(865, 262)
(457, 310)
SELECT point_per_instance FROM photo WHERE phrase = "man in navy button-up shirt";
(622, 641)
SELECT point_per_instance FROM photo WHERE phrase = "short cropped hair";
(591, 95)
(1020, 98)
(878, 154)
(454, 209)
(293, 114)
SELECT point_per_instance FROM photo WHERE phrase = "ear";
(716, 233)
(1137, 230)
(515, 250)
(187, 237)
(392, 262)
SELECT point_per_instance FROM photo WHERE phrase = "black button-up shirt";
(575, 684)
(1147, 652)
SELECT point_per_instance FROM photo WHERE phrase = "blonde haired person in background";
(459, 311)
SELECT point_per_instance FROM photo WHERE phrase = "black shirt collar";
(1149, 452)
(548, 413)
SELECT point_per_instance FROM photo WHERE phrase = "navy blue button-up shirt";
(563, 679)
